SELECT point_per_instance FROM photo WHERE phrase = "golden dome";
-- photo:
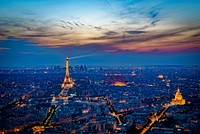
(178, 100)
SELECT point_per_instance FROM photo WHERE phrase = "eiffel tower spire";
(67, 83)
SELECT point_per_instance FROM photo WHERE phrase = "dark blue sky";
(22, 53)
(99, 33)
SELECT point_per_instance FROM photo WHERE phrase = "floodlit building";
(178, 100)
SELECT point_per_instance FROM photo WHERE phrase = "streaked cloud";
(135, 32)
(112, 25)
(4, 48)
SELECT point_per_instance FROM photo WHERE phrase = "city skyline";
(144, 102)
(99, 33)
(99, 66)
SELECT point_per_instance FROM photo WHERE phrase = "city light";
(99, 66)
(118, 83)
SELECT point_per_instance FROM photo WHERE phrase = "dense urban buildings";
(133, 66)
(102, 100)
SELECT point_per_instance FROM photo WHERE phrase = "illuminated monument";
(67, 83)
(178, 100)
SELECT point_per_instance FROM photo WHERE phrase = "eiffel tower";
(67, 83)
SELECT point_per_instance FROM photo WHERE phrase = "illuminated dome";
(178, 100)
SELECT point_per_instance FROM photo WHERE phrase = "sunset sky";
(35, 33)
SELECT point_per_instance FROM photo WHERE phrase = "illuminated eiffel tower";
(67, 83)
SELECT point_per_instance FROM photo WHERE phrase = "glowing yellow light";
(119, 83)
(178, 100)
(38, 129)
(67, 83)
(16, 129)
(160, 76)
